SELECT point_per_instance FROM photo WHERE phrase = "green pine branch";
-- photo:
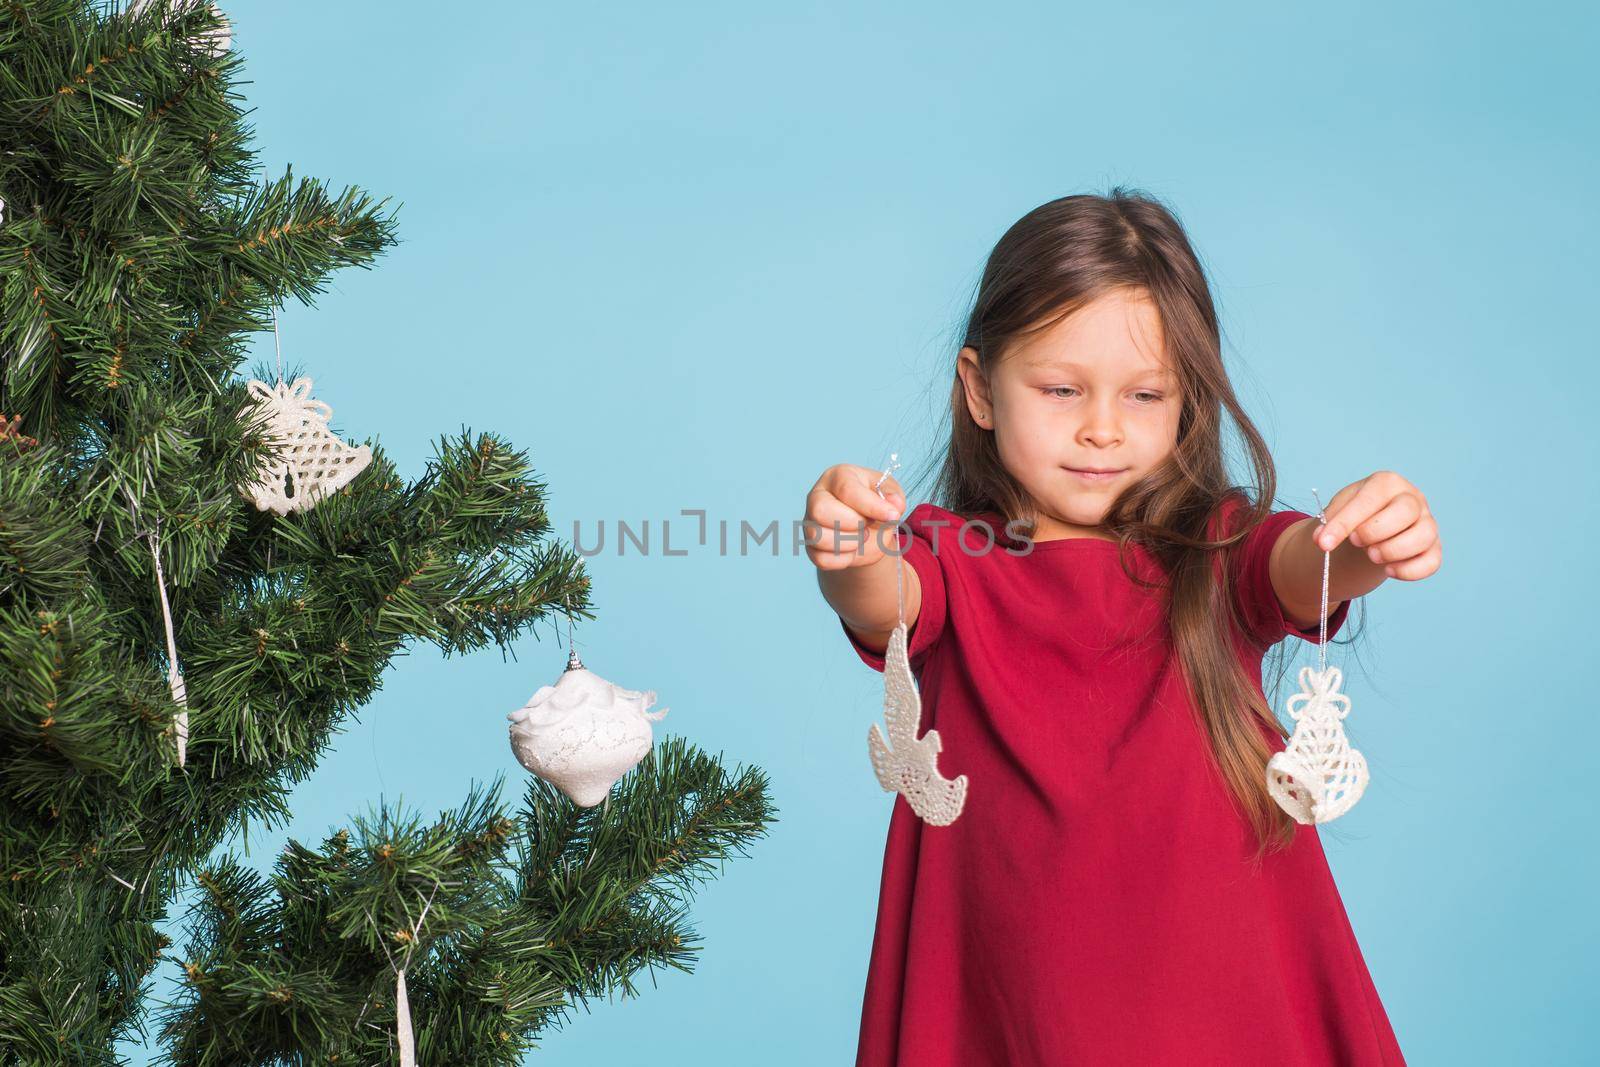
(140, 252)
(501, 925)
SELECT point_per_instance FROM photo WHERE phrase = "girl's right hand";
(847, 522)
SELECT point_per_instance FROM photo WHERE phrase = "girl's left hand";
(1389, 517)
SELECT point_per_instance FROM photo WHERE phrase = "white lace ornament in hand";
(311, 461)
(905, 763)
(583, 733)
(1318, 776)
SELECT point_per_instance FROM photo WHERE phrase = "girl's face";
(1092, 393)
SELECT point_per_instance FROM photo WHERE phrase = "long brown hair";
(1051, 262)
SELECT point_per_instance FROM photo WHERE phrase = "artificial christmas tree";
(138, 254)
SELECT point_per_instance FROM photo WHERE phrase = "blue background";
(690, 256)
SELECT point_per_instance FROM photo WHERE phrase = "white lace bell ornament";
(1318, 776)
(312, 462)
(903, 762)
(583, 733)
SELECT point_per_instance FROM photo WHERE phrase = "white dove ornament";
(1318, 776)
(910, 766)
(905, 763)
(583, 733)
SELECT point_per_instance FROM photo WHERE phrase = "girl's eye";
(1144, 396)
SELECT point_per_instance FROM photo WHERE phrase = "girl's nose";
(1100, 427)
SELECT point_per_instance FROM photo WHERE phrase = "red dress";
(1094, 903)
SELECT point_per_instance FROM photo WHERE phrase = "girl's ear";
(979, 401)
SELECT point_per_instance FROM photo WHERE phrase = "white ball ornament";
(583, 733)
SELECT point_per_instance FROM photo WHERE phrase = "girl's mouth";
(1091, 475)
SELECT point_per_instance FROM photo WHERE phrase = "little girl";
(1088, 606)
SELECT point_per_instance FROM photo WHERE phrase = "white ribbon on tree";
(404, 1038)
(180, 695)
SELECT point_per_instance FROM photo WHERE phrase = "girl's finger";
(855, 490)
(1417, 567)
(1412, 541)
(829, 561)
(891, 492)
(1398, 514)
(838, 527)
(1366, 502)
(841, 528)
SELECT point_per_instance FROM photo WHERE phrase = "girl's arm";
(865, 598)
(1379, 527)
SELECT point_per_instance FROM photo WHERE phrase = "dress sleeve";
(919, 556)
(1253, 593)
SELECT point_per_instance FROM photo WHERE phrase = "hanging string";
(573, 662)
(278, 344)
(1322, 623)
(174, 677)
(900, 557)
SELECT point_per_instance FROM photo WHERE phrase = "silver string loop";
(276, 343)
(1322, 623)
(900, 556)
